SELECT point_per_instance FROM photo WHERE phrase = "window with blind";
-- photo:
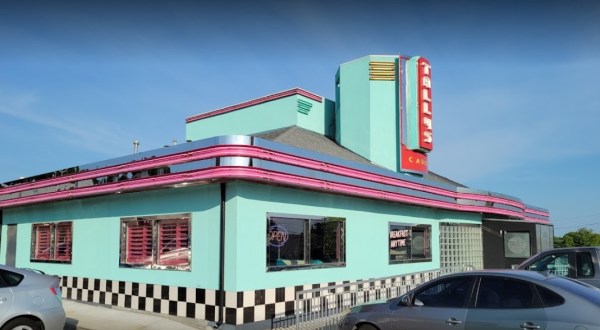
(51, 242)
(156, 242)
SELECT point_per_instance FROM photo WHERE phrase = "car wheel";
(367, 327)
(22, 323)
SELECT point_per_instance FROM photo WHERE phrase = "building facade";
(269, 197)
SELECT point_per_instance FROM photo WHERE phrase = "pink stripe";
(253, 152)
(264, 99)
(257, 175)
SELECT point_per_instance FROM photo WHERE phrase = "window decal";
(409, 243)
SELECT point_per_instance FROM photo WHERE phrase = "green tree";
(581, 237)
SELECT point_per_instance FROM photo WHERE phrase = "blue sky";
(516, 84)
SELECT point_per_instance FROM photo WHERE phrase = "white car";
(30, 300)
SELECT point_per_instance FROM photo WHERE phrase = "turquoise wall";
(96, 234)
(368, 120)
(366, 235)
(264, 117)
(353, 102)
(384, 126)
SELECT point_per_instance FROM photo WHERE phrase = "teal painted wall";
(96, 234)
(368, 120)
(366, 235)
(264, 117)
(384, 121)
(353, 102)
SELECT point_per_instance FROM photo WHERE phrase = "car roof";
(514, 273)
(572, 248)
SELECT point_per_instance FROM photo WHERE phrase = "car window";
(585, 267)
(10, 278)
(505, 293)
(549, 298)
(557, 264)
(451, 292)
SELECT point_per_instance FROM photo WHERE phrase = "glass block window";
(461, 246)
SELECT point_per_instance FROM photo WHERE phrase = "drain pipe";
(221, 292)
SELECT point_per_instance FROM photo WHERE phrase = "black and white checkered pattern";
(240, 307)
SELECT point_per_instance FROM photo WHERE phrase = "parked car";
(487, 299)
(581, 263)
(30, 300)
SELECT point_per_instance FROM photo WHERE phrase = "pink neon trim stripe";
(256, 152)
(252, 174)
(264, 99)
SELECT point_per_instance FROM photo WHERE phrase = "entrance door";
(11, 244)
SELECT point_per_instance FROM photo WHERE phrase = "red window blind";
(43, 241)
(139, 242)
(62, 242)
(173, 242)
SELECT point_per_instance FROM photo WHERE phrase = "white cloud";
(95, 135)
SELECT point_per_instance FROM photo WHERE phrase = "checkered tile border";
(240, 307)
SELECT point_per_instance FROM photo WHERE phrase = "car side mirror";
(405, 300)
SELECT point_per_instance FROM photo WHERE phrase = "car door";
(505, 303)
(585, 265)
(438, 305)
(6, 296)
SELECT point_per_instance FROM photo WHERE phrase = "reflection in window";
(304, 242)
(557, 264)
(505, 293)
(51, 242)
(159, 242)
(409, 243)
(451, 292)
(585, 266)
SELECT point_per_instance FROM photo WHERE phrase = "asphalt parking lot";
(87, 316)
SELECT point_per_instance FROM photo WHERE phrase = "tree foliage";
(581, 237)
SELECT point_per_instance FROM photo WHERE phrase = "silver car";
(488, 299)
(30, 300)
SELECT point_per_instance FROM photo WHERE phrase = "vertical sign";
(414, 88)
(425, 114)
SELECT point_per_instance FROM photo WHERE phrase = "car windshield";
(581, 289)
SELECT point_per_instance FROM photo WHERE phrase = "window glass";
(517, 245)
(549, 298)
(51, 242)
(11, 278)
(557, 264)
(409, 243)
(505, 293)
(295, 242)
(585, 267)
(453, 292)
(156, 242)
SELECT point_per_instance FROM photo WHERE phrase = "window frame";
(150, 251)
(58, 246)
(404, 239)
(277, 236)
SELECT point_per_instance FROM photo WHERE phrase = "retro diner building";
(282, 193)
